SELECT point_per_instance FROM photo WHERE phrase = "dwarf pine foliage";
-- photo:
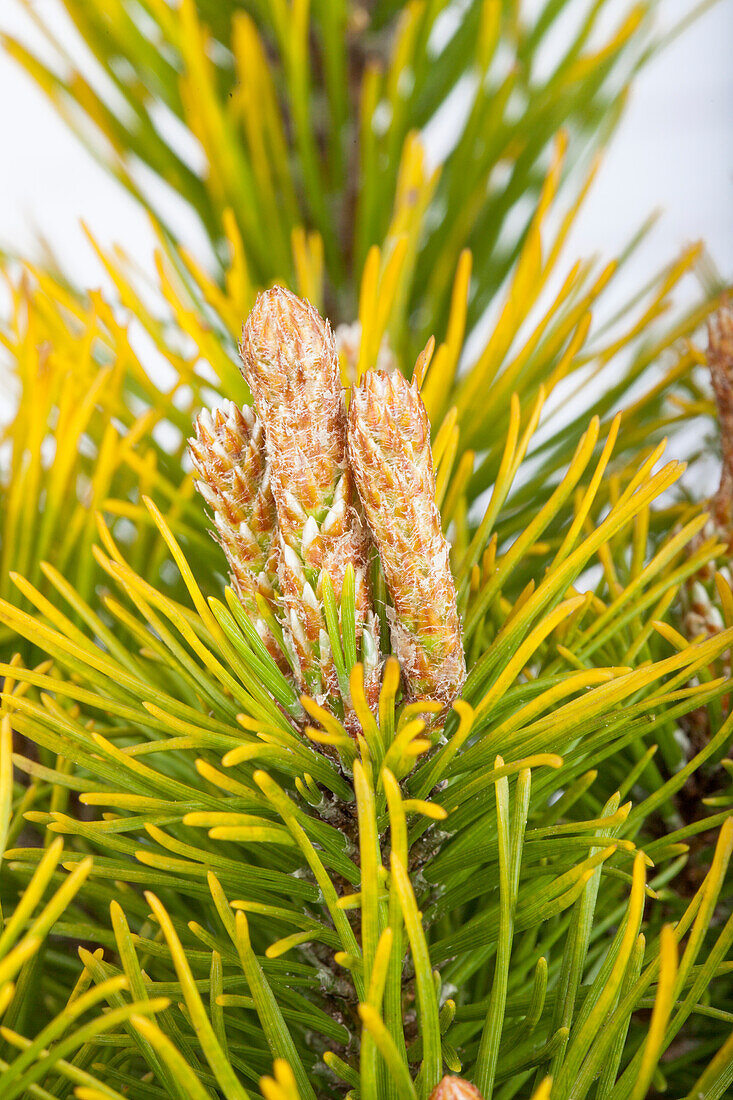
(413, 781)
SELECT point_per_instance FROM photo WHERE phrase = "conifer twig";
(389, 450)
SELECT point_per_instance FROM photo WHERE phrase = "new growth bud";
(291, 365)
(455, 1088)
(389, 451)
(229, 457)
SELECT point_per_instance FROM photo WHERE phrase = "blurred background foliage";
(300, 136)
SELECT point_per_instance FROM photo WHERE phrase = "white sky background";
(673, 150)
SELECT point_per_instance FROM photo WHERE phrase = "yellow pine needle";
(514, 452)
(9, 683)
(640, 539)
(658, 612)
(283, 1085)
(6, 777)
(174, 744)
(570, 657)
(124, 801)
(611, 821)
(243, 754)
(389, 284)
(308, 259)
(520, 658)
(672, 635)
(414, 191)
(127, 293)
(349, 962)
(513, 609)
(725, 594)
(350, 901)
(240, 291)
(201, 605)
(661, 1012)
(569, 356)
(284, 807)
(568, 630)
(368, 292)
(7, 992)
(376, 300)
(369, 97)
(571, 215)
(260, 100)
(172, 722)
(488, 561)
(488, 35)
(260, 728)
(443, 436)
(422, 706)
(169, 1054)
(246, 104)
(323, 737)
(457, 487)
(209, 1043)
(465, 714)
(287, 943)
(17, 957)
(406, 744)
(583, 1036)
(446, 467)
(416, 747)
(441, 378)
(422, 364)
(591, 62)
(427, 809)
(609, 569)
(89, 1092)
(42, 604)
(203, 337)
(328, 721)
(387, 696)
(253, 834)
(528, 280)
(379, 969)
(387, 1047)
(554, 174)
(308, 789)
(363, 713)
(539, 760)
(219, 300)
(665, 555)
(615, 521)
(405, 40)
